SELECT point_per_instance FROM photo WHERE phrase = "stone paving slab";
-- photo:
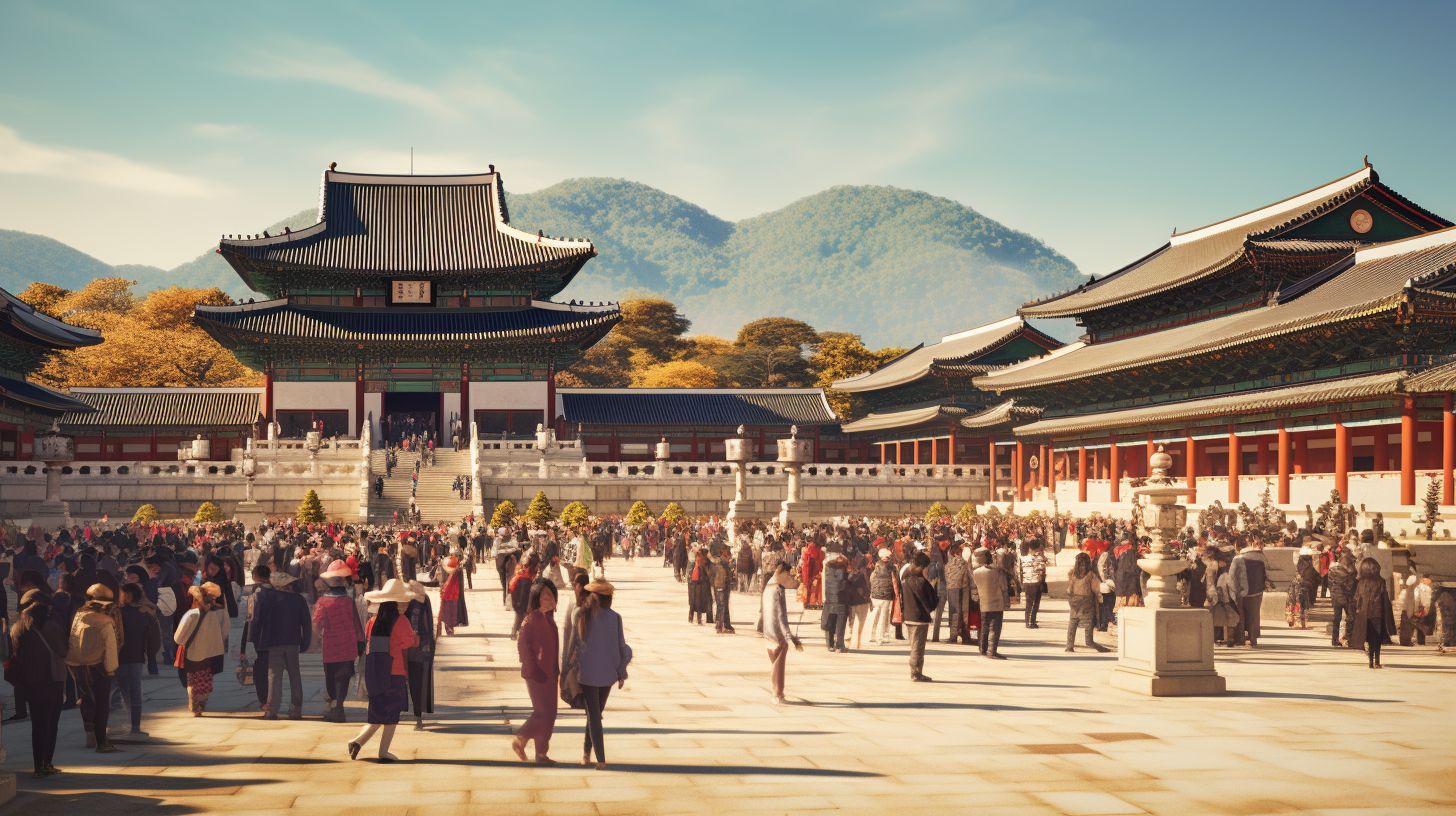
(1305, 728)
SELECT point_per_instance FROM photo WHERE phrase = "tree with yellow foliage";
(676, 374)
(151, 342)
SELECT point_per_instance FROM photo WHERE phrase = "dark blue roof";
(696, 406)
(36, 396)
(280, 319)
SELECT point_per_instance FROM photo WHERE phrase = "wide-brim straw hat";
(394, 591)
(417, 591)
(100, 592)
(337, 569)
(600, 587)
(281, 579)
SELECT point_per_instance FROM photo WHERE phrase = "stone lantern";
(793, 453)
(54, 449)
(248, 511)
(662, 454)
(739, 453)
(312, 441)
(1163, 648)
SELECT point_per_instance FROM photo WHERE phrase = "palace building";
(412, 304)
(923, 408)
(1301, 348)
(26, 337)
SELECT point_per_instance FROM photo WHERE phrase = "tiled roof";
(1433, 380)
(696, 406)
(276, 318)
(954, 352)
(166, 407)
(1000, 414)
(907, 418)
(38, 396)
(1192, 255)
(20, 321)
(1248, 402)
(1373, 280)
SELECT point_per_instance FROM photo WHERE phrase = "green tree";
(207, 512)
(539, 511)
(638, 514)
(146, 514)
(505, 513)
(936, 512)
(310, 510)
(575, 515)
(673, 512)
(651, 333)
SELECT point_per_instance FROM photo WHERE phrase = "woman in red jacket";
(390, 638)
(538, 644)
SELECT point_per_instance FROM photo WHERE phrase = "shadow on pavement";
(95, 802)
(1294, 695)
(931, 705)
(630, 767)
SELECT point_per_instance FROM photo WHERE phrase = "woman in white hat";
(390, 639)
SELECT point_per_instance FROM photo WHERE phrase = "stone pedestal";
(793, 453)
(738, 454)
(1164, 649)
(1166, 652)
(250, 513)
(55, 450)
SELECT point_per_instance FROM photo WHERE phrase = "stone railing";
(813, 473)
(130, 470)
(512, 448)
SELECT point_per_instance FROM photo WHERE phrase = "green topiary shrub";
(966, 514)
(146, 514)
(540, 511)
(575, 514)
(504, 514)
(207, 512)
(638, 514)
(310, 510)
(936, 512)
(673, 512)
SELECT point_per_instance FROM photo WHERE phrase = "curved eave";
(40, 398)
(24, 323)
(901, 420)
(999, 415)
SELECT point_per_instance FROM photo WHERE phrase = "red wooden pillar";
(1448, 453)
(1190, 446)
(991, 458)
(1147, 460)
(1342, 460)
(881, 446)
(1261, 452)
(359, 399)
(550, 412)
(915, 448)
(1018, 466)
(951, 457)
(1382, 447)
(1082, 473)
(1114, 470)
(1233, 466)
(268, 394)
(1283, 490)
(1408, 451)
(934, 451)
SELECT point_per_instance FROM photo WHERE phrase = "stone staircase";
(436, 500)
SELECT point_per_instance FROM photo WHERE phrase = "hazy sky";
(140, 131)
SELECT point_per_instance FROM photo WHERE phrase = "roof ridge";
(1401, 246)
(1306, 198)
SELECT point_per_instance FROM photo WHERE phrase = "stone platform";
(1303, 729)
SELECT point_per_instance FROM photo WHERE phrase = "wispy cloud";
(218, 130)
(21, 157)
(328, 64)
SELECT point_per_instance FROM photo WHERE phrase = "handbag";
(181, 660)
(570, 682)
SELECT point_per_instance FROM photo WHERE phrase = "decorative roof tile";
(165, 407)
(954, 352)
(696, 406)
(907, 418)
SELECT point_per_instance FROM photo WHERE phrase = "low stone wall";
(90, 497)
(704, 496)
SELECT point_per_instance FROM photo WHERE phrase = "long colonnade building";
(1303, 347)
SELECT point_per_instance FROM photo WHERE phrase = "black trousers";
(93, 688)
(1033, 602)
(422, 698)
(336, 680)
(45, 720)
(596, 703)
(1374, 637)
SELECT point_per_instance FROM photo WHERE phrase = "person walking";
(140, 637)
(1374, 614)
(835, 613)
(919, 598)
(341, 637)
(882, 598)
(603, 657)
(857, 600)
(776, 629)
(1033, 580)
(37, 668)
(1250, 578)
(538, 646)
(1341, 579)
(720, 580)
(93, 657)
(282, 627)
(1084, 594)
(420, 671)
(699, 593)
(452, 599)
(991, 591)
(390, 637)
(957, 589)
(201, 636)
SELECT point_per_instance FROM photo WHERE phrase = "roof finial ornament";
(266, 235)
(1367, 159)
(332, 165)
(491, 167)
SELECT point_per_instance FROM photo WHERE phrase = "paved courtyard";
(1304, 729)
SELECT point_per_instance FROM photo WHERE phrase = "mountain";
(897, 266)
